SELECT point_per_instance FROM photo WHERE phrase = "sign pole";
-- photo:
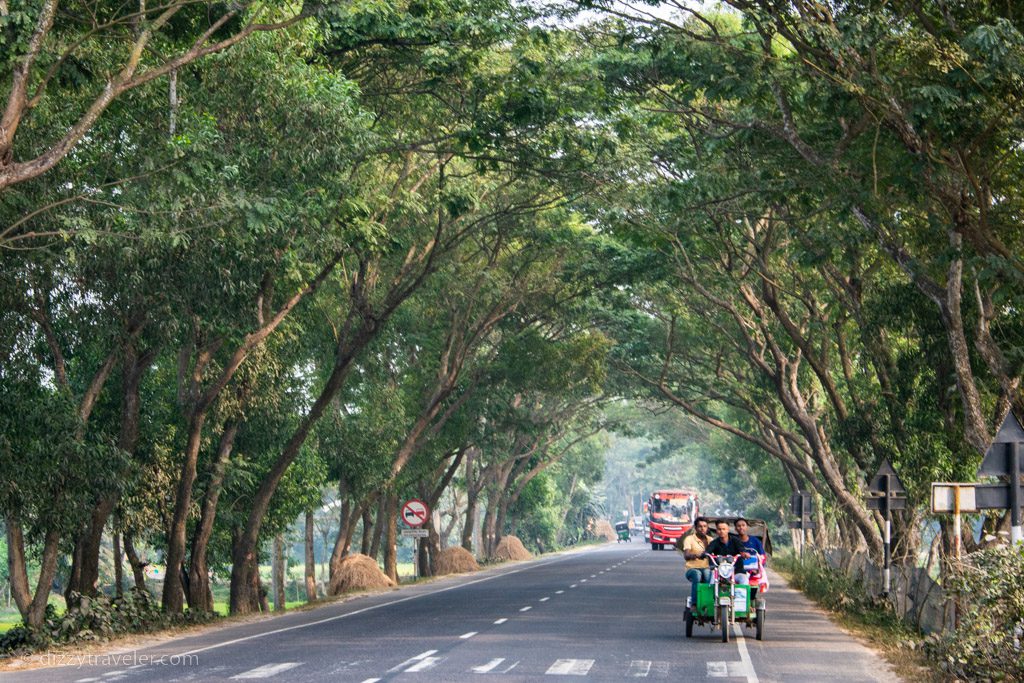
(887, 557)
(956, 522)
(1013, 454)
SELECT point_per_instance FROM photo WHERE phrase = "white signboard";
(944, 497)
(414, 533)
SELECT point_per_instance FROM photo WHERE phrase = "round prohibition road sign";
(415, 512)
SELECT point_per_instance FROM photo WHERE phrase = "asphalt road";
(611, 613)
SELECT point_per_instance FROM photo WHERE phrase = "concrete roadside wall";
(919, 599)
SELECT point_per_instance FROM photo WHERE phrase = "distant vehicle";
(669, 515)
(638, 526)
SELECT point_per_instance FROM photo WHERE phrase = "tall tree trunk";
(378, 526)
(391, 544)
(243, 566)
(340, 549)
(85, 572)
(367, 540)
(32, 607)
(310, 564)
(200, 594)
(173, 594)
(118, 567)
(261, 593)
(137, 565)
(278, 569)
(200, 405)
(17, 567)
(472, 493)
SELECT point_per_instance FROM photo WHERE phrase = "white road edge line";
(741, 643)
(373, 607)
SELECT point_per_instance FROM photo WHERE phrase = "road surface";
(610, 613)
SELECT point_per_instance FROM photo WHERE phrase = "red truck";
(670, 514)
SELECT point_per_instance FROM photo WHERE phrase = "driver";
(693, 547)
(725, 544)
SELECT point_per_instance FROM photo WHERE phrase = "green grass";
(9, 620)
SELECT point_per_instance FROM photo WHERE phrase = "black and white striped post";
(1003, 459)
(886, 493)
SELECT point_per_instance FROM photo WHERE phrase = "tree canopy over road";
(443, 249)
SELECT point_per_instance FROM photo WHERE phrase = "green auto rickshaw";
(622, 532)
(726, 601)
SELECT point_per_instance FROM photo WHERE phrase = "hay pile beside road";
(456, 560)
(358, 572)
(603, 529)
(511, 548)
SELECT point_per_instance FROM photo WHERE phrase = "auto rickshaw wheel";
(724, 618)
(689, 623)
(760, 623)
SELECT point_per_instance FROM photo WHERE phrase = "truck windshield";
(679, 509)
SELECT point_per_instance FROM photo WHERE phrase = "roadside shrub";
(95, 618)
(988, 645)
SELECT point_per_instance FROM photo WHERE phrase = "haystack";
(511, 548)
(358, 572)
(456, 560)
(603, 529)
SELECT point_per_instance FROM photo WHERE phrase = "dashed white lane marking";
(501, 621)
(353, 613)
(573, 586)
(489, 666)
(465, 636)
(267, 670)
(371, 680)
(412, 660)
(526, 609)
(639, 668)
(87, 680)
(559, 592)
(570, 667)
(593, 576)
(427, 663)
(543, 599)
(583, 580)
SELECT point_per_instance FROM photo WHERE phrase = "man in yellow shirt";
(692, 546)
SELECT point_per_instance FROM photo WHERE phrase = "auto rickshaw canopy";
(758, 528)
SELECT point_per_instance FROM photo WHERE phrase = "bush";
(95, 618)
(838, 591)
(988, 645)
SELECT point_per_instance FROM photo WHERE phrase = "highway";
(608, 613)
